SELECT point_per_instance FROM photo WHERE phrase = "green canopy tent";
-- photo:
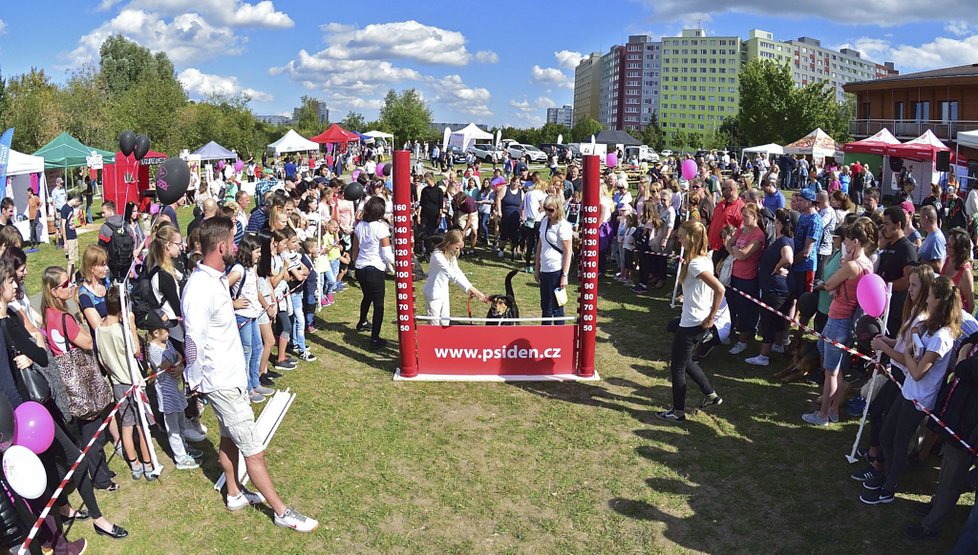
(65, 151)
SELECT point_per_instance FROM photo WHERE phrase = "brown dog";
(804, 359)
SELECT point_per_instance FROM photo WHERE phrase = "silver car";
(486, 152)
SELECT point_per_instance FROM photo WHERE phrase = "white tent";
(379, 135)
(292, 142)
(22, 170)
(968, 139)
(467, 136)
(767, 149)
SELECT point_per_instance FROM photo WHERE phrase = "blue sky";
(496, 62)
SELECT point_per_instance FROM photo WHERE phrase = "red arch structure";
(432, 352)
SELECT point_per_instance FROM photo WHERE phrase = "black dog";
(504, 306)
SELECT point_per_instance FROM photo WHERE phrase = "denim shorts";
(836, 329)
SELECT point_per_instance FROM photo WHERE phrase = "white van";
(642, 153)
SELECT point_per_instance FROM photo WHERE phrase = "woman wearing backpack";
(167, 245)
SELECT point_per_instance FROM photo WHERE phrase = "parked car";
(485, 152)
(527, 152)
(642, 153)
(666, 153)
(455, 155)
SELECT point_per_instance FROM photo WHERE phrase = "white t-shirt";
(629, 242)
(281, 290)
(246, 288)
(369, 235)
(370, 167)
(442, 271)
(533, 205)
(551, 260)
(925, 390)
(697, 295)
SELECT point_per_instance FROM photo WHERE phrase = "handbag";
(88, 391)
(31, 381)
(726, 270)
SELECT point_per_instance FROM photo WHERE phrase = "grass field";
(532, 468)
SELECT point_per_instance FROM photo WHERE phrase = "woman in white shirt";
(927, 358)
(553, 256)
(702, 294)
(444, 270)
(372, 252)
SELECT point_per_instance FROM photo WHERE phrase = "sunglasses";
(551, 210)
(66, 284)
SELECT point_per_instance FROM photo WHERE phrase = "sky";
(499, 63)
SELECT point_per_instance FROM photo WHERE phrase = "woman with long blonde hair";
(167, 244)
(702, 294)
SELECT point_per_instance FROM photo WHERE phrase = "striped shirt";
(168, 392)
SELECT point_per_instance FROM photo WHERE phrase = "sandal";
(111, 487)
(80, 514)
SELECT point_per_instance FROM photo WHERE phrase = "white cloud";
(528, 113)
(347, 76)
(550, 76)
(187, 37)
(486, 57)
(232, 13)
(203, 84)
(545, 102)
(866, 12)
(458, 96)
(940, 52)
(404, 39)
(3, 27)
(106, 5)
(959, 28)
(568, 59)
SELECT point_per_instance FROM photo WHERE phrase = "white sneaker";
(738, 348)
(815, 419)
(759, 360)
(193, 436)
(298, 522)
(244, 499)
(777, 348)
(186, 463)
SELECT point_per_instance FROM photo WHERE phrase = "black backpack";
(120, 248)
(142, 296)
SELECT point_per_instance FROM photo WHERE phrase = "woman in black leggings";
(372, 252)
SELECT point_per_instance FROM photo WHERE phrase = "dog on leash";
(804, 359)
(504, 306)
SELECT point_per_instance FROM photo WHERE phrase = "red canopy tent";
(127, 179)
(877, 144)
(924, 147)
(335, 134)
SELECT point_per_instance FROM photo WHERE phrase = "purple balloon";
(33, 427)
(220, 165)
(689, 169)
(238, 166)
(611, 160)
(497, 181)
(354, 175)
(381, 168)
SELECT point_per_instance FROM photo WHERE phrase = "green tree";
(550, 131)
(767, 106)
(406, 116)
(652, 135)
(32, 108)
(306, 119)
(3, 97)
(354, 122)
(583, 130)
(85, 114)
(125, 63)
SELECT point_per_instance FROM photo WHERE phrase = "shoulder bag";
(88, 392)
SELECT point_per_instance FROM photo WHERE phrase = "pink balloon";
(871, 294)
(497, 181)
(689, 169)
(238, 166)
(220, 164)
(611, 160)
(380, 169)
(354, 175)
(154, 208)
(33, 427)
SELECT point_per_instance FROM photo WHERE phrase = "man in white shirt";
(215, 368)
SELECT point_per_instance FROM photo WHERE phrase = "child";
(298, 273)
(310, 252)
(112, 352)
(574, 210)
(272, 266)
(660, 241)
(628, 247)
(243, 283)
(172, 402)
(702, 294)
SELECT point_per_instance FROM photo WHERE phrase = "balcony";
(907, 129)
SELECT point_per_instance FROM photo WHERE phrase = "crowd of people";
(244, 283)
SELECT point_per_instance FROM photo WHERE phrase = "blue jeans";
(252, 344)
(298, 323)
(328, 278)
(484, 226)
(968, 540)
(548, 302)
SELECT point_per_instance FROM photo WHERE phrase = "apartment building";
(587, 87)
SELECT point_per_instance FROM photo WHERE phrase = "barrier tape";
(71, 471)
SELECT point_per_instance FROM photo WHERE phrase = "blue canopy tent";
(364, 139)
(214, 151)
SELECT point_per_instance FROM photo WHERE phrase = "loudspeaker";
(896, 164)
(944, 160)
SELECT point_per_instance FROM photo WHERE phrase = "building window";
(949, 111)
(921, 111)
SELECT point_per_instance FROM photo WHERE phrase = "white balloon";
(24, 472)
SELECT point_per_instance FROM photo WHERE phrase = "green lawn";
(532, 468)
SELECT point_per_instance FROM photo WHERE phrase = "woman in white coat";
(444, 270)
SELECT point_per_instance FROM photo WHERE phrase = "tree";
(583, 130)
(85, 114)
(406, 116)
(354, 122)
(652, 134)
(549, 133)
(125, 63)
(32, 108)
(680, 140)
(306, 119)
(3, 96)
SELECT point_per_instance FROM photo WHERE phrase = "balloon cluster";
(132, 144)
(173, 177)
(24, 434)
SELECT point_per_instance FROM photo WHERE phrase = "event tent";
(292, 142)
(335, 134)
(968, 139)
(467, 136)
(379, 135)
(65, 151)
(616, 138)
(876, 144)
(214, 151)
(768, 149)
(26, 171)
(924, 147)
(124, 179)
(816, 144)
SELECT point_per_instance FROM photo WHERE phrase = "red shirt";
(725, 213)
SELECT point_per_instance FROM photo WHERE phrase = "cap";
(908, 207)
(59, 180)
(156, 319)
(267, 171)
(808, 195)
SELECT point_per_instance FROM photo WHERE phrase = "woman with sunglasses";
(166, 246)
(553, 256)
(91, 292)
(64, 334)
